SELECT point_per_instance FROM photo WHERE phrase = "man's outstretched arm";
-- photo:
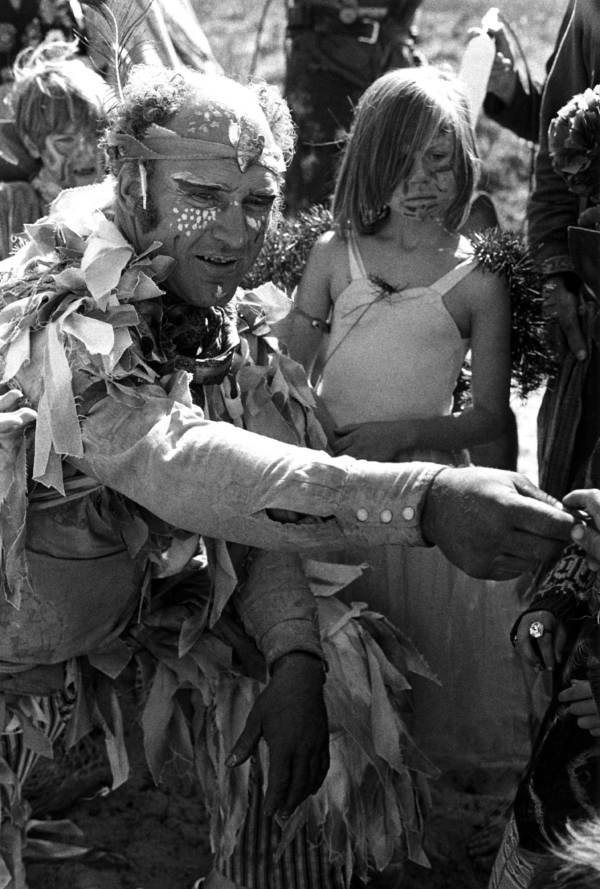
(221, 481)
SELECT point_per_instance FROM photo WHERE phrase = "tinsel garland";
(283, 258)
(286, 248)
(532, 358)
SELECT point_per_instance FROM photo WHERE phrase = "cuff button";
(362, 514)
(408, 513)
(385, 516)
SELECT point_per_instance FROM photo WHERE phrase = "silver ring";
(536, 629)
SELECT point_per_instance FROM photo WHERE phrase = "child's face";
(430, 187)
(71, 157)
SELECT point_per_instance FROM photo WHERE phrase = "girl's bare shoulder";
(327, 245)
(482, 284)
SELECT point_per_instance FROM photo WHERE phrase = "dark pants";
(326, 73)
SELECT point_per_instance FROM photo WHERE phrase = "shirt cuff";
(382, 503)
(290, 635)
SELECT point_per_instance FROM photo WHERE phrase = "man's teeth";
(217, 259)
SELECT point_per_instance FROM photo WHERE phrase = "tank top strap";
(357, 266)
(444, 284)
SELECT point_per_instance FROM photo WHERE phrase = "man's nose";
(231, 225)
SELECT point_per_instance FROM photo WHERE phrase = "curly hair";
(154, 94)
(53, 89)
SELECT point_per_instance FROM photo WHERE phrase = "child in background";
(406, 300)
(59, 107)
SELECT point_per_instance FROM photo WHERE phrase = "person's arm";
(279, 611)
(225, 482)
(520, 113)
(552, 207)
(215, 479)
(312, 306)
(277, 607)
(487, 309)
(507, 101)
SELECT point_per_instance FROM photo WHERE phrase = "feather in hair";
(115, 45)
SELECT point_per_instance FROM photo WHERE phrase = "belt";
(347, 21)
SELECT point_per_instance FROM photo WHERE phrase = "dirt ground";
(152, 837)
(144, 836)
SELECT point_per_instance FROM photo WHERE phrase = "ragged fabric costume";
(561, 781)
(134, 457)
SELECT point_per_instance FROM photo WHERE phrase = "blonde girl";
(393, 298)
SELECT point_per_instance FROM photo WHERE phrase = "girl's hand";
(543, 651)
(372, 441)
(581, 704)
(585, 535)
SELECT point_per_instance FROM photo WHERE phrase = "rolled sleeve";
(220, 481)
(277, 606)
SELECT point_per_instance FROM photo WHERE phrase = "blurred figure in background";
(336, 49)
(509, 101)
(58, 103)
(26, 23)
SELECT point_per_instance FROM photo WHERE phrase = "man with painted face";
(58, 104)
(166, 411)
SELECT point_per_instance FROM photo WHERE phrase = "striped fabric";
(303, 865)
(514, 867)
(47, 715)
(51, 715)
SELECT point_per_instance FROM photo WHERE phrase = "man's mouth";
(218, 260)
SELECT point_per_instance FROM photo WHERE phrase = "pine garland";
(286, 250)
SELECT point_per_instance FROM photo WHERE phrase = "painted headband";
(160, 143)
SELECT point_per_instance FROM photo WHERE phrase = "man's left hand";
(290, 715)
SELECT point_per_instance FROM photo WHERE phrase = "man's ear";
(30, 145)
(128, 188)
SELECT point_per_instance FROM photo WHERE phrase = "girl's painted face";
(72, 157)
(430, 187)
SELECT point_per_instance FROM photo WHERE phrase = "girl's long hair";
(395, 120)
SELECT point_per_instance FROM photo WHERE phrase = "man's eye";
(205, 198)
(259, 203)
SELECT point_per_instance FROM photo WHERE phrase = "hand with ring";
(540, 639)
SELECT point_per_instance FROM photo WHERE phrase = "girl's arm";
(481, 311)
(312, 305)
(484, 303)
